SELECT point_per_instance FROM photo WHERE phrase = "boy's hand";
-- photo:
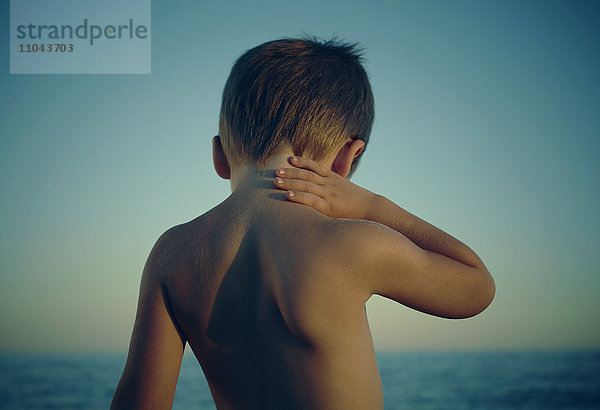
(310, 183)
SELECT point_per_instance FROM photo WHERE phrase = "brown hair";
(301, 93)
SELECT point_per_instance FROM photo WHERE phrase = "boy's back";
(268, 304)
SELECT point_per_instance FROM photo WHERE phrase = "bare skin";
(269, 289)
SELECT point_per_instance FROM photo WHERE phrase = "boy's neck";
(250, 177)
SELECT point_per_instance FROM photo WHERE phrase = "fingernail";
(281, 171)
(291, 194)
(279, 180)
(294, 159)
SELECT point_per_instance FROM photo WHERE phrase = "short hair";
(305, 94)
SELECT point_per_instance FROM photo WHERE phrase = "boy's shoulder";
(298, 222)
(297, 233)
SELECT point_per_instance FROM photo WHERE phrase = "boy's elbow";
(484, 293)
(491, 290)
(476, 300)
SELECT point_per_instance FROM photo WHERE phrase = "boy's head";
(299, 94)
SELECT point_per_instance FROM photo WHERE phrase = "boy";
(269, 287)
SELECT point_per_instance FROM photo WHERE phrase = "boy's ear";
(219, 158)
(345, 156)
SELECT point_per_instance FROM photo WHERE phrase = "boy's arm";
(156, 349)
(414, 262)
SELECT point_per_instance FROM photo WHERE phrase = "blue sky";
(487, 125)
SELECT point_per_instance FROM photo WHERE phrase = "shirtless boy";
(269, 287)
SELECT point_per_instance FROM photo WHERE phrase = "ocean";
(421, 380)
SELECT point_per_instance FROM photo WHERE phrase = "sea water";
(421, 380)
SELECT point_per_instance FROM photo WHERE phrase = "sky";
(487, 126)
